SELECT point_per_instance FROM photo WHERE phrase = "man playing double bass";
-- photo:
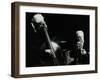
(45, 52)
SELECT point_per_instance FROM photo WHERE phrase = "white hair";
(80, 33)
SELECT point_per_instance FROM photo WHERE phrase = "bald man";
(40, 51)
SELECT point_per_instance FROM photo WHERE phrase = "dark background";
(61, 26)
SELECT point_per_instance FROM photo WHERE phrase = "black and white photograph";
(51, 39)
(57, 39)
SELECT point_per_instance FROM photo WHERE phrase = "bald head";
(38, 18)
(38, 22)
